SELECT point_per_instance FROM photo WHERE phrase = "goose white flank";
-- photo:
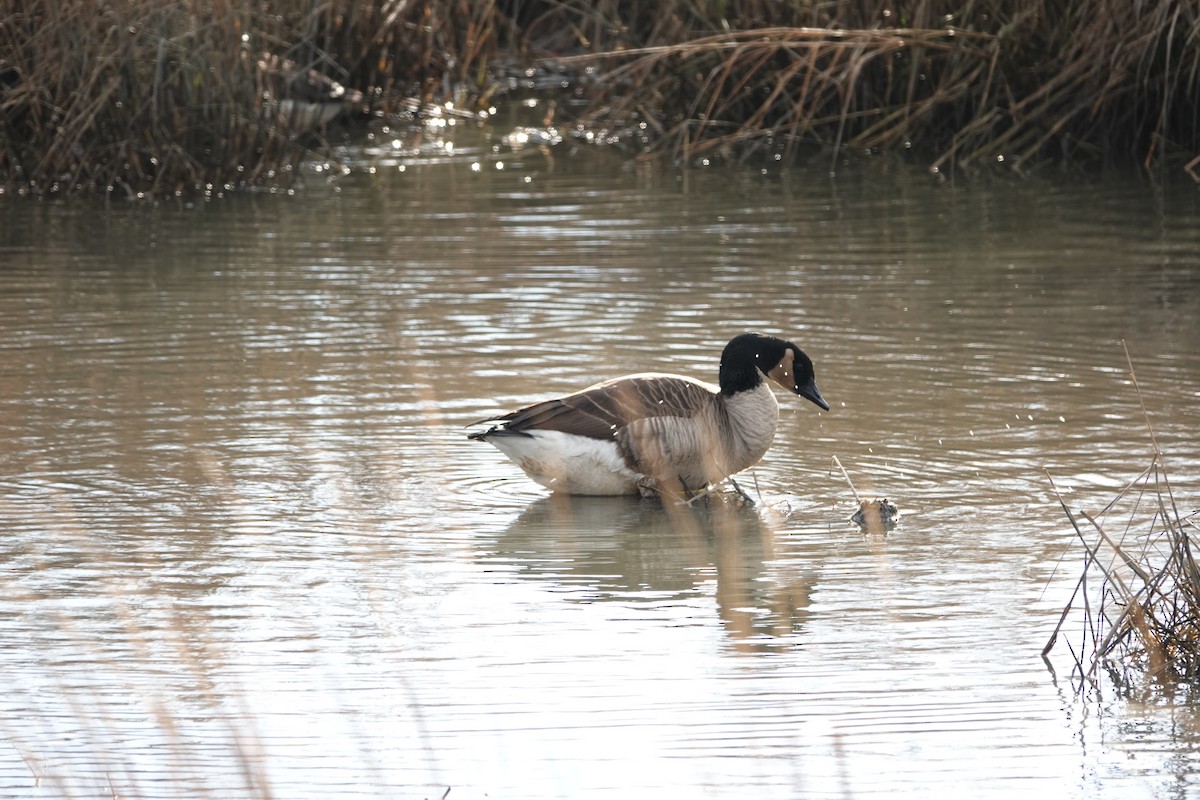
(657, 434)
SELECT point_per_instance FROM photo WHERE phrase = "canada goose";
(654, 433)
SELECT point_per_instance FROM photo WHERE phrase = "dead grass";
(965, 83)
(1139, 588)
(155, 98)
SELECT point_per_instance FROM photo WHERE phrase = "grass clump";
(1140, 591)
(154, 97)
(965, 83)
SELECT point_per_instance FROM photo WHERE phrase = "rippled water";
(248, 550)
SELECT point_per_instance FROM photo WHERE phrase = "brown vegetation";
(965, 83)
(1139, 589)
(159, 97)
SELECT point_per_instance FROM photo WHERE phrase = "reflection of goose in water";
(595, 549)
(301, 98)
(655, 433)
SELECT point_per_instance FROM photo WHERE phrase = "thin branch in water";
(846, 475)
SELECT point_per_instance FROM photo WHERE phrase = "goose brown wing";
(601, 411)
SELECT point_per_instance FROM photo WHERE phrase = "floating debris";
(873, 516)
(876, 516)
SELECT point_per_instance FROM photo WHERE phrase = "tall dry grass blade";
(1129, 562)
(1150, 428)
(968, 84)
(1148, 611)
(1080, 584)
(146, 97)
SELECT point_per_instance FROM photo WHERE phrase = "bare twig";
(846, 475)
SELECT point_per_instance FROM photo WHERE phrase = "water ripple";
(240, 505)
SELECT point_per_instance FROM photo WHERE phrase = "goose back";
(603, 410)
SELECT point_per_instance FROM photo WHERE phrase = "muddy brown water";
(248, 550)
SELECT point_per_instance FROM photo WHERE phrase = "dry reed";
(153, 97)
(1140, 592)
(987, 81)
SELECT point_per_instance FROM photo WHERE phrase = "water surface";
(249, 551)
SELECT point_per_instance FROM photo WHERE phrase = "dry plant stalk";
(157, 98)
(988, 81)
(873, 516)
(1140, 592)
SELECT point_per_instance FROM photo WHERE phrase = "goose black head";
(750, 356)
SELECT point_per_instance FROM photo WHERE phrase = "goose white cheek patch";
(781, 373)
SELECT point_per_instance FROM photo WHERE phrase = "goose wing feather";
(604, 410)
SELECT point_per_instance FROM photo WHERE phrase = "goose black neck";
(739, 378)
(739, 364)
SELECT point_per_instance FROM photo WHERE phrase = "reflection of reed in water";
(128, 682)
(81, 736)
(624, 548)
